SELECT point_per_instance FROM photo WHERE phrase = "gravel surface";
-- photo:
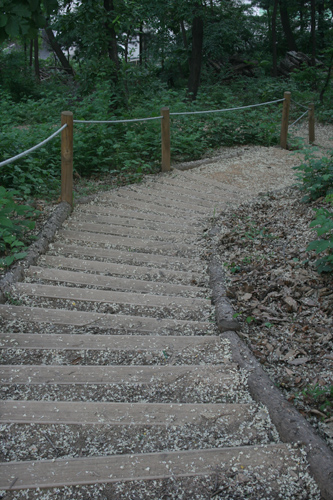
(258, 243)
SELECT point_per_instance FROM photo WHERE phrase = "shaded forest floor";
(284, 306)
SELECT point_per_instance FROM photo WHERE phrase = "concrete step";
(144, 273)
(123, 414)
(113, 375)
(194, 189)
(132, 244)
(125, 257)
(173, 195)
(156, 199)
(174, 229)
(90, 322)
(44, 275)
(71, 349)
(100, 429)
(245, 462)
(137, 214)
(134, 303)
(146, 206)
(133, 232)
(128, 383)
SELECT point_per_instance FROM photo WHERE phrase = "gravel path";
(115, 380)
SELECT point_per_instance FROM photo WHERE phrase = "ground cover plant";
(191, 56)
(284, 306)
(16, 220)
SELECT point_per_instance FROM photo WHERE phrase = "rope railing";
(226, 109)
(300, 105)
(17, 157)
(120, 121)
(67, 128)
(298, 119)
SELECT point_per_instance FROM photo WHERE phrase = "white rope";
(119, 121)
(10, 160)
(298, 104)
(298, 119)
(227, 109)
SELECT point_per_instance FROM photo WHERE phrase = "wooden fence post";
(67, 157)
(311, 123)
(285, 118)
(165, 133)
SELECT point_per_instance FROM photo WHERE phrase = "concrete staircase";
(115, 381)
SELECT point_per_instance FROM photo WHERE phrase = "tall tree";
(284, 12)
(196, 52)
(313, 32)
(24, 17)
(274, 40)
(58, 51)
(112, 46)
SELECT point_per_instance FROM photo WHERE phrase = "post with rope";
(67, 157)
(165, 133)
(311, 124)
(285, 118)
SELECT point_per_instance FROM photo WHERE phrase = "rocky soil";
(283, 305)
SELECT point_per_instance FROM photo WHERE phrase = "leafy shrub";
(323, 224)
(319, 396)
(15, 222)
(316, 177)
(16, 77)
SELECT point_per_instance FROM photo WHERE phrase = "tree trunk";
(58, 52)
(321, 24)
(112, 37)
(31, 53)
(327, 81)
(141, 44)
(286, 26)
(36, 58)
(274, 41)
(196, 55)
(313, 32)
(182, 27)
(301, 16)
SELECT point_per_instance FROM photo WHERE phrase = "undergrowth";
(16, 220)
(316, 179)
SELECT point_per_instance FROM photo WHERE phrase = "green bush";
(15, 222)
(316, 176)
(323, 224)
(316, 179)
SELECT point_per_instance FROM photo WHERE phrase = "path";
(116, 383)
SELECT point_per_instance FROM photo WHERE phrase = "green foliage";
(323, 224)
(15, 222)
(16, 78)
(316, 176)
(23, 17)
(320, 396)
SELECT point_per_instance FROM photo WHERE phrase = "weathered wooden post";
(311, 123)
(67, 157)
(165, 133)
(285, 119)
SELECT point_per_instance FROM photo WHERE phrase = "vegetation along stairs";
(115, 381)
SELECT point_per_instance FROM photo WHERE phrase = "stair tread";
(110, 296)
(161, 274)
(83, 413)
(111, 282)
(111, 375)
(167, 247)
(99, 320)
(145, 466)
(100, 342)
